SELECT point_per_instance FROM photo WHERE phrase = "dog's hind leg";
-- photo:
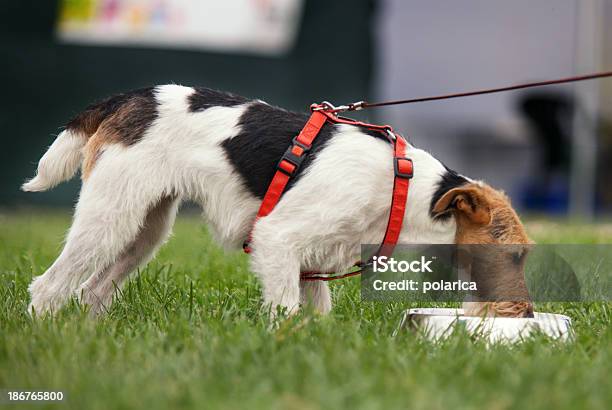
(109, 215)
(98, 290)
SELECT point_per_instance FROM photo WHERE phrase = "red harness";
(294, 156)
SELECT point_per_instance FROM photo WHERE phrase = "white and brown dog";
(143, 152)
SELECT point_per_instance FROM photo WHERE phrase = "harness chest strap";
(403, 170)
(293, 157)
(290, 162)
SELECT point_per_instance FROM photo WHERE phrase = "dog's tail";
(65, 155)
(60, 162)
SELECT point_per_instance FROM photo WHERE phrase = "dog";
(144, 152)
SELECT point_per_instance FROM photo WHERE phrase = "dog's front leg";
(316, 294)
(278, 268)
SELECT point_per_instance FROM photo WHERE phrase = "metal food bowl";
(439, 323)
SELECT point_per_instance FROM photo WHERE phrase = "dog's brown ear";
(469, 201)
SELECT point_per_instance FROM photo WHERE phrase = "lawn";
(189, 333)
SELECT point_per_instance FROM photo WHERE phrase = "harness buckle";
(293, 157)
(304, 147)
(403, 167)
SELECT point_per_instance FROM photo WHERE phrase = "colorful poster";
(251, 26)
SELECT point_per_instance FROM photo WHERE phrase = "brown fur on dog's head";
(485, 217)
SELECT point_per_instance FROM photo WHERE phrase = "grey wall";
(444, 46)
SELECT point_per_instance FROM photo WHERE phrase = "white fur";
(341, 202)
(60, 162)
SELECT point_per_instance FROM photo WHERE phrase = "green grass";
(189, 333)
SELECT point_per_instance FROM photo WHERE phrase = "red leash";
(293, 157)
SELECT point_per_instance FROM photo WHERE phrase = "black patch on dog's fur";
(135, 117)
(266, 133)
(450, 180)
(205, 98)
(129, 126)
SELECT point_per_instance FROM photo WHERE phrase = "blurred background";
(549, 148)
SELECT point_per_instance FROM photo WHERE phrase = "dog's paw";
(41, 306)
(42, 299)
(498, 309)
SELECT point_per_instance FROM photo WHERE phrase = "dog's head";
(496, 246)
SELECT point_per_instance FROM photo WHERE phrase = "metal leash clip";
(329, 107)
(356, 106)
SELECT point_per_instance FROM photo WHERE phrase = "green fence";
(46, 82)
